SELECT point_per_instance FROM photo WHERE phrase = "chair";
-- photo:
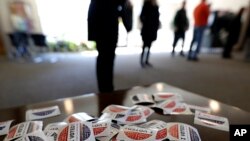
(40, 41)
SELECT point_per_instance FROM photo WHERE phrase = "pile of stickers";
(76, 127)
(117, 123)
(127, 115)
(173, 104)
(102, 130)
(169, 103)
(157, 130)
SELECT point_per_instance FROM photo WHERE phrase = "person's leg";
(200, 32)
(148, 54)
(190, 53)
(25, 43)
(247, 56)
(18, 44)
(110, 67)
(105, 65)
(143, 55)
(183, 41)
(99, 66)
(176, 38)
(227, 49)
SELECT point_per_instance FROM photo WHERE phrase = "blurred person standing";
(103, 29)
(181, 25)
(248, 43)
(234, 29)
(22, 26)
(201, 14)
(2, 51)
(150, 24)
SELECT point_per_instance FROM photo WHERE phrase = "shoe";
(189, 58)
(182, 54)
(227, 57)
(173, 53)
(149, 64)
(143, 65)
(193, 59)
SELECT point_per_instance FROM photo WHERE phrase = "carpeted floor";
(74, 74)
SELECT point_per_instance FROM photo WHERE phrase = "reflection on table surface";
(95, 103)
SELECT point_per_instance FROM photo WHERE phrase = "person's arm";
(127, 15)
(175, 22)
(143, 13)
(207, 12)
(187, 21)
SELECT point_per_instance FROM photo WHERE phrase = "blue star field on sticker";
(2, 127)
(44, 113)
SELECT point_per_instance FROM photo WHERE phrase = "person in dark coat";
(150, 24)
(103, 29)
(248, 43)
(233, 35)
(181, 24)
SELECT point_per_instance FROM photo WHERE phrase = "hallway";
(74, 74)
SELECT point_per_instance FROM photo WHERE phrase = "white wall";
(64, 19)
(168, 8)
(5, 16)
(35, 17)
(232, 5)
(5, 24)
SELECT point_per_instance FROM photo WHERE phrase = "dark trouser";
(105, 65)
(145, 53)
(248, 49)
(197, 38)
(231, 41)
(21, 43)
(178, 35)
(227, 50)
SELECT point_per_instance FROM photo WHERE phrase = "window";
(64, 19)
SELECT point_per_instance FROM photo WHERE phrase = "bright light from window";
(64, 19)
(214, 105)
(68, 106)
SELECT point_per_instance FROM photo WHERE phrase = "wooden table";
(95, 103)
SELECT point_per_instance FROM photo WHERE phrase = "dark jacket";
(150, 21)
(248, 30)
(234, 30)
(181, 22)
(103, 19)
